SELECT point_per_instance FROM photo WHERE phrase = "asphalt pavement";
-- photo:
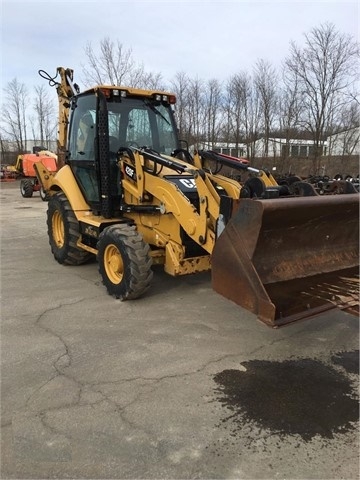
(179, 384)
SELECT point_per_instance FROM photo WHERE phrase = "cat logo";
(130, 172)
(188, 183)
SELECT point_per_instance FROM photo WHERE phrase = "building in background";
(293, 147)
(233, 149)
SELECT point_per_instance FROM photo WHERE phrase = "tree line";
(312, 95)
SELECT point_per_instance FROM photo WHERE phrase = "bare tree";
(235, 107)
(196, 111)
(45, 122)
(4, 147)
(180, 86)
(289, 110)
(212, 111)
(252, 116)
(265, 82)
(14, 113)
(346, 139)
(190, 108)
(243, 111)
(113, 64)
(324, 70)
(152, 81)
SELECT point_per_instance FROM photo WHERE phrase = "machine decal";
(130, 172)
(185, 184)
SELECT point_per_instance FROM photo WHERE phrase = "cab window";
(83, 129)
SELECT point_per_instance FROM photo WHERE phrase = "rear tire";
(26, 188)
(124, 261)
(64, 232)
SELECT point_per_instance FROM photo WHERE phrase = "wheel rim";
(113, 263)
(58, 229)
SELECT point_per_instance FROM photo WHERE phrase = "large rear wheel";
(64, 232)
(26, 188)
(124, 261)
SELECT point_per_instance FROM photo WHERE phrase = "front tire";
(43, 195)
(64, 232)
(26, 188)
(124, 261)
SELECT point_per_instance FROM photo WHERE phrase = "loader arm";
(213, 163)
(198, 224)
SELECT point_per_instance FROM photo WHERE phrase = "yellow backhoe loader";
(129, 194)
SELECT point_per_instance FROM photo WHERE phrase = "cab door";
(82, 151)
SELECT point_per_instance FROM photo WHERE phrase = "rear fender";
(64, 181)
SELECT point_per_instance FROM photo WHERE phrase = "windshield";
(142, 123)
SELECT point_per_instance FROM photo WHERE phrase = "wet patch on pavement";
(302, 397)
(348, 360)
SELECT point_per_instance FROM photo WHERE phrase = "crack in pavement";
(64, 360)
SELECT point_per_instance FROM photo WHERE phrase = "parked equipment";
(24, 168)
(323, 184)
(129, 194)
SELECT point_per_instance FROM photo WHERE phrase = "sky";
(205, 39)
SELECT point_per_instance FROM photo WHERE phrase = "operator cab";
(105, 119)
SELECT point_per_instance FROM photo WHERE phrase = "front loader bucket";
(290, 258)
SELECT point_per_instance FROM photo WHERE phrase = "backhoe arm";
(66, 89)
